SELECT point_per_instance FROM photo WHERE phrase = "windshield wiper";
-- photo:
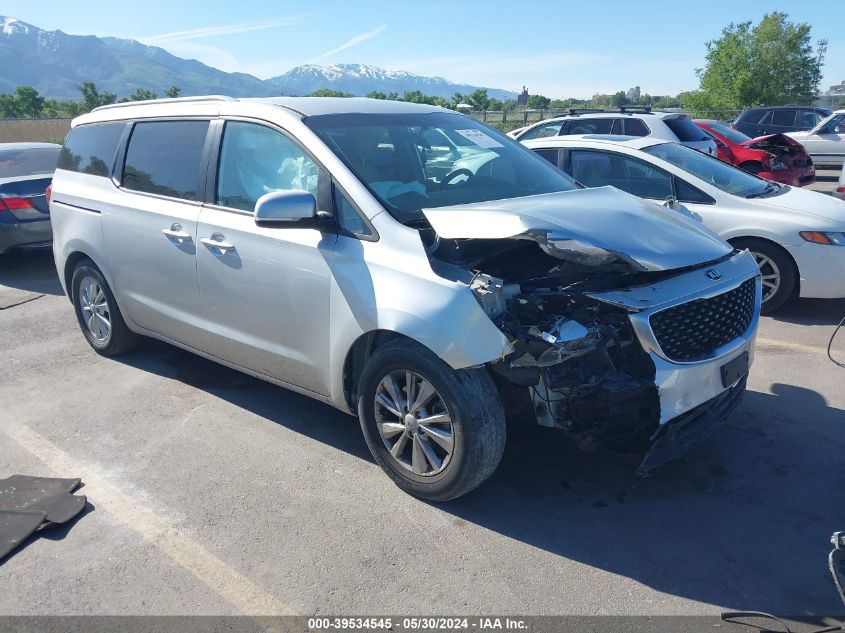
(770, 189)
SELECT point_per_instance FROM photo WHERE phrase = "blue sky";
(557, 49)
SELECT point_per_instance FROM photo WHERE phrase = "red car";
(774, 157)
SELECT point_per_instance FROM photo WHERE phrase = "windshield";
(412, 162)
(734, 136)
(28, 162)
(712, 170)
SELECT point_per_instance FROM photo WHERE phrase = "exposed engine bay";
(582, 365)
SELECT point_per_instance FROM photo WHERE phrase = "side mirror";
(837, 562)
(291, 208)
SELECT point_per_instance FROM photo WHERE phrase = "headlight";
(820, 237)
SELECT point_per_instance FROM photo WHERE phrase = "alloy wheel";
(414, 423)
(770, 273)
(95, 309)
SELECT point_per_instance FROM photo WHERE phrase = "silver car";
(327, 246)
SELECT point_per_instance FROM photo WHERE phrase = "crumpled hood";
(770, 141)
(591, 226)
(812, 203)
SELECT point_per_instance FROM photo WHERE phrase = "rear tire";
(777, 268)
(439, 450)
(97, 313)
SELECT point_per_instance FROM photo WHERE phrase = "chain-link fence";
(40, 130)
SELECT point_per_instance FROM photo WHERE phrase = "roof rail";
(577, 111)
(123, 104)
(643, 109)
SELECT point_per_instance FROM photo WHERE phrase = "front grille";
(691, 331)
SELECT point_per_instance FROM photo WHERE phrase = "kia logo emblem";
(713, 274)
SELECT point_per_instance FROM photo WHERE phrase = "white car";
(668, 126)
(825, 143)
(797, 236)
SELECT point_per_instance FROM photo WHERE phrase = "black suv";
(764, 120)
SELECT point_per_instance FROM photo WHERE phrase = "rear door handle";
(175, 232)
(218, 241)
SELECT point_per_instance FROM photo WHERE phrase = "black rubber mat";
(52, 495)
(16, 526)
(29, 503)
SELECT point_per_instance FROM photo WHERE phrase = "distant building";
(522, 97)
(633, 94)
(832, 97)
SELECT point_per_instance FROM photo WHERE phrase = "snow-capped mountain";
(55, 63)
(360, 79)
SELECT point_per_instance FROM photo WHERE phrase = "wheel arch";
(740, 238)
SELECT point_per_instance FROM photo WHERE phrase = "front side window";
(542, 131)
(91, 149)
(255, 160)
(726, 131)
(834, 125)
(711, 170)
(391, 154)
(550, 155)
(28, 162)
(810, 119)
(685, 129)
(596, 169)
(164, 158)
(591, 126)
(784, 118)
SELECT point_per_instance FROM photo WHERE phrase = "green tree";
(142, 94)
(772, 63)
(538, 102)
(172, 92)
(92, 98)
(375, 94)
(328, 92)
(479, 99)
(8, 107)
(29, 102)
(618, 99)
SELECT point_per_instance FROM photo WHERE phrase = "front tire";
(777, 269)
(97, 313)
(436, 431)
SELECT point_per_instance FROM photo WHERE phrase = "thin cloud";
(212, 31)
(363, 37)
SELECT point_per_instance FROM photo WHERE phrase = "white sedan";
(825, 143)
(796, 235)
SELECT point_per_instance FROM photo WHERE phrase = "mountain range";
(55, 63)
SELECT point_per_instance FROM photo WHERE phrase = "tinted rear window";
(590, 126)
(635, 127)
(686, 130)
(28, 162)
(91, 149)
(164, 158)
(784, 118)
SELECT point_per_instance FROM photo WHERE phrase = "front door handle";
(175, 232)
(218, 241)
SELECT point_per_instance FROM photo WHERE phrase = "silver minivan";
(406, 264)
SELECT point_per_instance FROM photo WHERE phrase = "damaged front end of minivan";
(620, 342)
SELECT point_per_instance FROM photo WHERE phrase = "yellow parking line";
(787, 344)
(236, 589)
